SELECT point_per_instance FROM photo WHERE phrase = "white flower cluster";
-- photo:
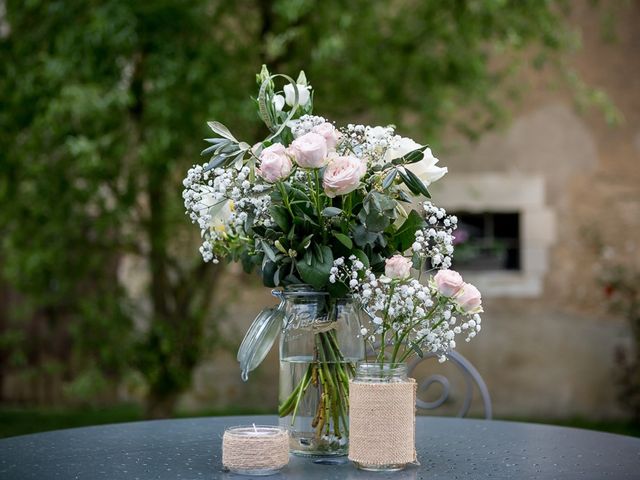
(305, 124)
(368, 142)
(220, 201)
(435, 242)
(405, 311)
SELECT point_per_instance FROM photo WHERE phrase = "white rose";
(343, 175)
(425, 169)
(275, 164)
(309, 150)
(449, 282)
(329, 132)
(397, 267)
(304, 94)
(400, 147)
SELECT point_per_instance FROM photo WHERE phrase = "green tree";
(103, 103)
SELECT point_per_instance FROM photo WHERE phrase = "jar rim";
(382, 367)
(299, 290)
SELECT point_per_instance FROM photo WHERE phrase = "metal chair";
(471, 377)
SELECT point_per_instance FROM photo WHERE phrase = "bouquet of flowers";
(344, 210)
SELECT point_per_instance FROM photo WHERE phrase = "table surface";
(447, 448)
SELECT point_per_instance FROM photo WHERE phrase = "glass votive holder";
(255, 449)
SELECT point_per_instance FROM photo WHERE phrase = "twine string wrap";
(242, 451)
(382, 422)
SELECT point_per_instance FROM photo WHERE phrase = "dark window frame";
(494, 241)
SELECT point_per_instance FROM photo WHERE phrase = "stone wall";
(547, 352)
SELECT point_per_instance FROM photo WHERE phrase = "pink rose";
(342, 175)
(469, 298)
(449, 282)
(310, 150)
(329, 132)
(275, 163)
(397, 267)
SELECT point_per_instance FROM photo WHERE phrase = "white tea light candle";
(255, 449)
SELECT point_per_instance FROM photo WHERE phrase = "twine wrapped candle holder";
(255, 449)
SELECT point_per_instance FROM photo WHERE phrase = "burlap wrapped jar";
(382, 417)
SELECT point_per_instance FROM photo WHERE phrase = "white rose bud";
(469, 299)
(278, 102)
(303, 94)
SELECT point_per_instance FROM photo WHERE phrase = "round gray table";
(448, 448)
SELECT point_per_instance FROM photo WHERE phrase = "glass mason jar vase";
(382, 441)
(320, 344)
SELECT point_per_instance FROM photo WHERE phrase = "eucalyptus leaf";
(215, 140)
(389, 178)
(404, 196)
(378, 212)
(227, 148)
(420, 186)
(268, 251)
(363, 237)
(214, 163)
(221, 130)
(209, 150)
(331, 211)
(409, 181)
(239, 157)
(412, 157)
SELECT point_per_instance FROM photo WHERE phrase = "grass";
(21, 421)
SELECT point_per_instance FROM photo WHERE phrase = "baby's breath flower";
(405, 307)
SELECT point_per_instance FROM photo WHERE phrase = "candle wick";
(254, 428)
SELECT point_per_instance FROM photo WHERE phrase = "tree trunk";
(160, 406)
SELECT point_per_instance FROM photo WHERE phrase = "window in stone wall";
(487, 241)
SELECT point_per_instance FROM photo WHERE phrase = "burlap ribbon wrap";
(254, 453)
(382, 422)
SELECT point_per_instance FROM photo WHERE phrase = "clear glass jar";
(381, 372)
(320, 344)
(374, 448)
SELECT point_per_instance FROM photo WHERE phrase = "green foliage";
(98, 104)
(98, 98)
(406, 234)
